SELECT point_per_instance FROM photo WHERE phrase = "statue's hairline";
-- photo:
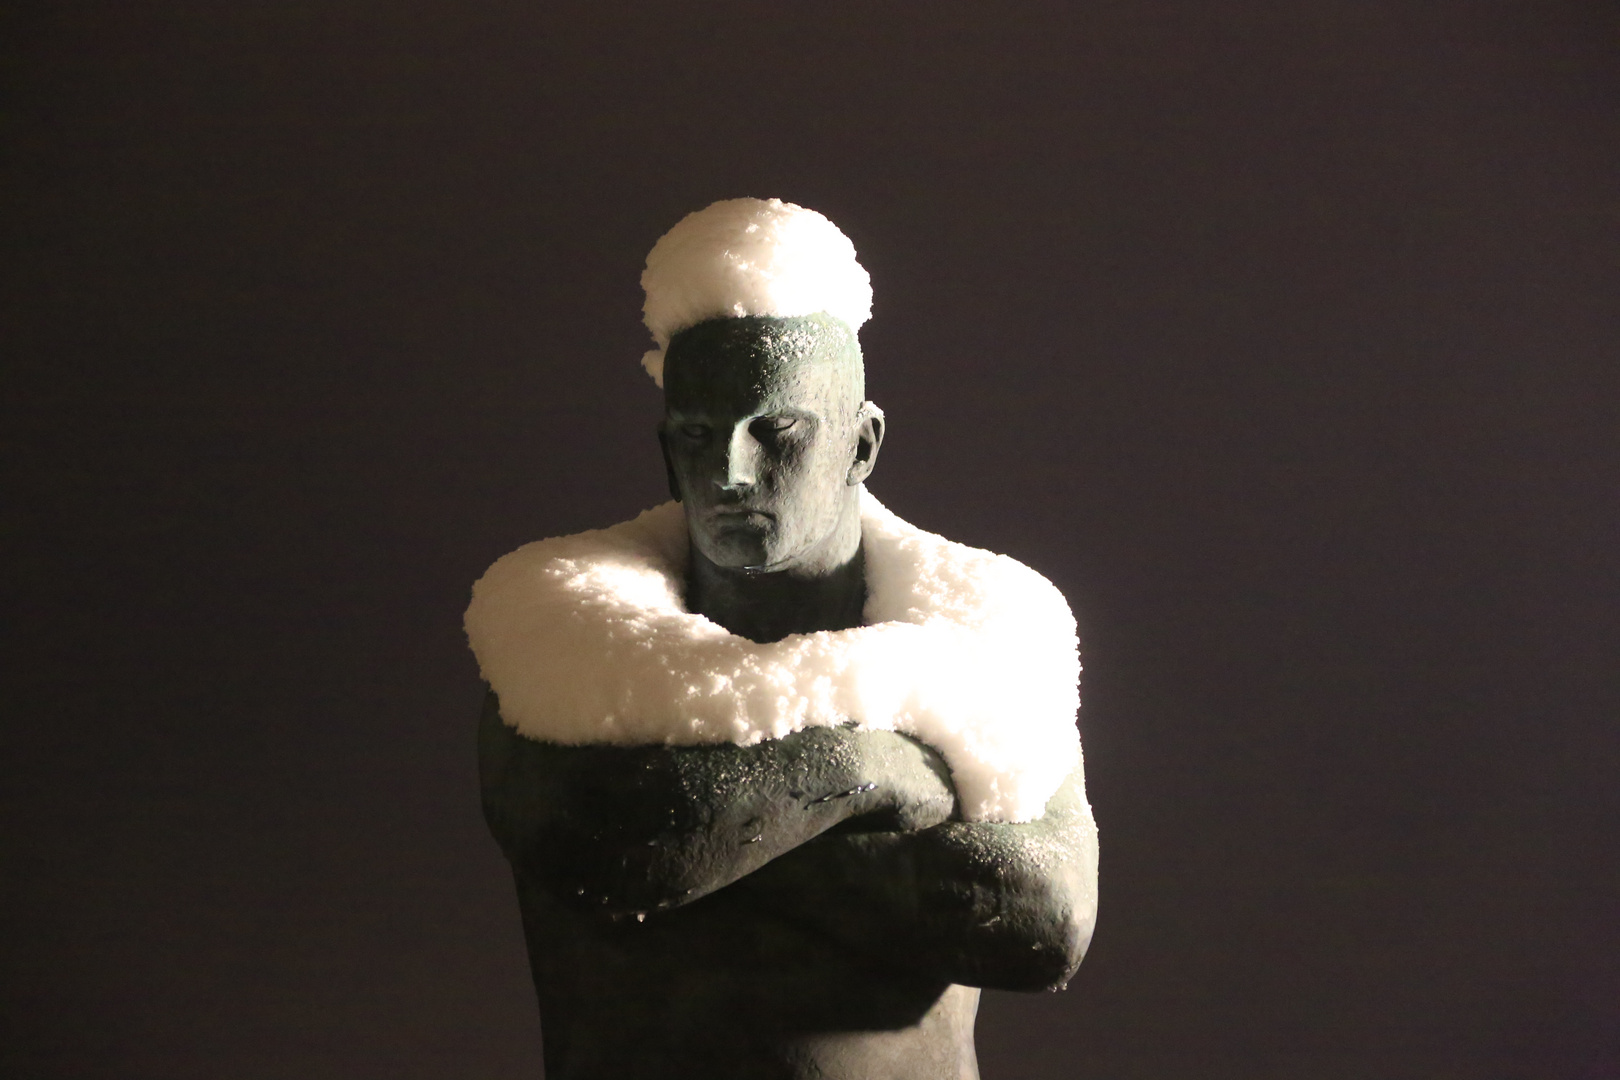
(846, 354)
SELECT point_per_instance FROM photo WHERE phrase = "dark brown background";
(1282, 336)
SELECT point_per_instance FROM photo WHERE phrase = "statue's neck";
(768, 606)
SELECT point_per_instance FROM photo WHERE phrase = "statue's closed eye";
(696, 432)
(771, 426)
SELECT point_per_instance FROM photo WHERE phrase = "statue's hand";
(912, 784)
(1003, 905)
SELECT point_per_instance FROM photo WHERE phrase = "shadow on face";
(765, 437)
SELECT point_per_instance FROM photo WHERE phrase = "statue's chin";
(739, 549)
(752, 554)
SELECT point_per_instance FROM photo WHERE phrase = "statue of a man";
(787, 872)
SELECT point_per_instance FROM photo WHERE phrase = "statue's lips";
(743, 519)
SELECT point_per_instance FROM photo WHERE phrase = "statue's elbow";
(1055, 940)
(1059, 916)
(1072, 940)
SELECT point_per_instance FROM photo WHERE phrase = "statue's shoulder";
(654, 542)
(916, 576)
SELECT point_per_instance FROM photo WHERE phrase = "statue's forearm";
(1005, 906)
(639, 829)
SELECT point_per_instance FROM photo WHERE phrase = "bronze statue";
(807, 905)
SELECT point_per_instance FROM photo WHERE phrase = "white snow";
(586, 640)
(743, 257)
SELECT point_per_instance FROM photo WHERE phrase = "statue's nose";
(742, 459)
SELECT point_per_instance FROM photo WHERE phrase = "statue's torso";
(723, 988)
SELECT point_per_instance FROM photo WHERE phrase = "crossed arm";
(847, 831)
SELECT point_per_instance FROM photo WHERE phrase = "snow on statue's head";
(755, 306)
(742, 257)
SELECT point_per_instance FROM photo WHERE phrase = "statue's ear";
(669, 466)
(868, 440)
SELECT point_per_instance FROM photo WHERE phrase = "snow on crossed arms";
(586, 639)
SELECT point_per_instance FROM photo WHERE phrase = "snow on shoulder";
(742, 257)
(586, 639)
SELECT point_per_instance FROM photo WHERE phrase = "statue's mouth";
(743, 518)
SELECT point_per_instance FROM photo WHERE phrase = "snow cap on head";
(742, 257)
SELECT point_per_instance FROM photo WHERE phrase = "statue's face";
(765, 436)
